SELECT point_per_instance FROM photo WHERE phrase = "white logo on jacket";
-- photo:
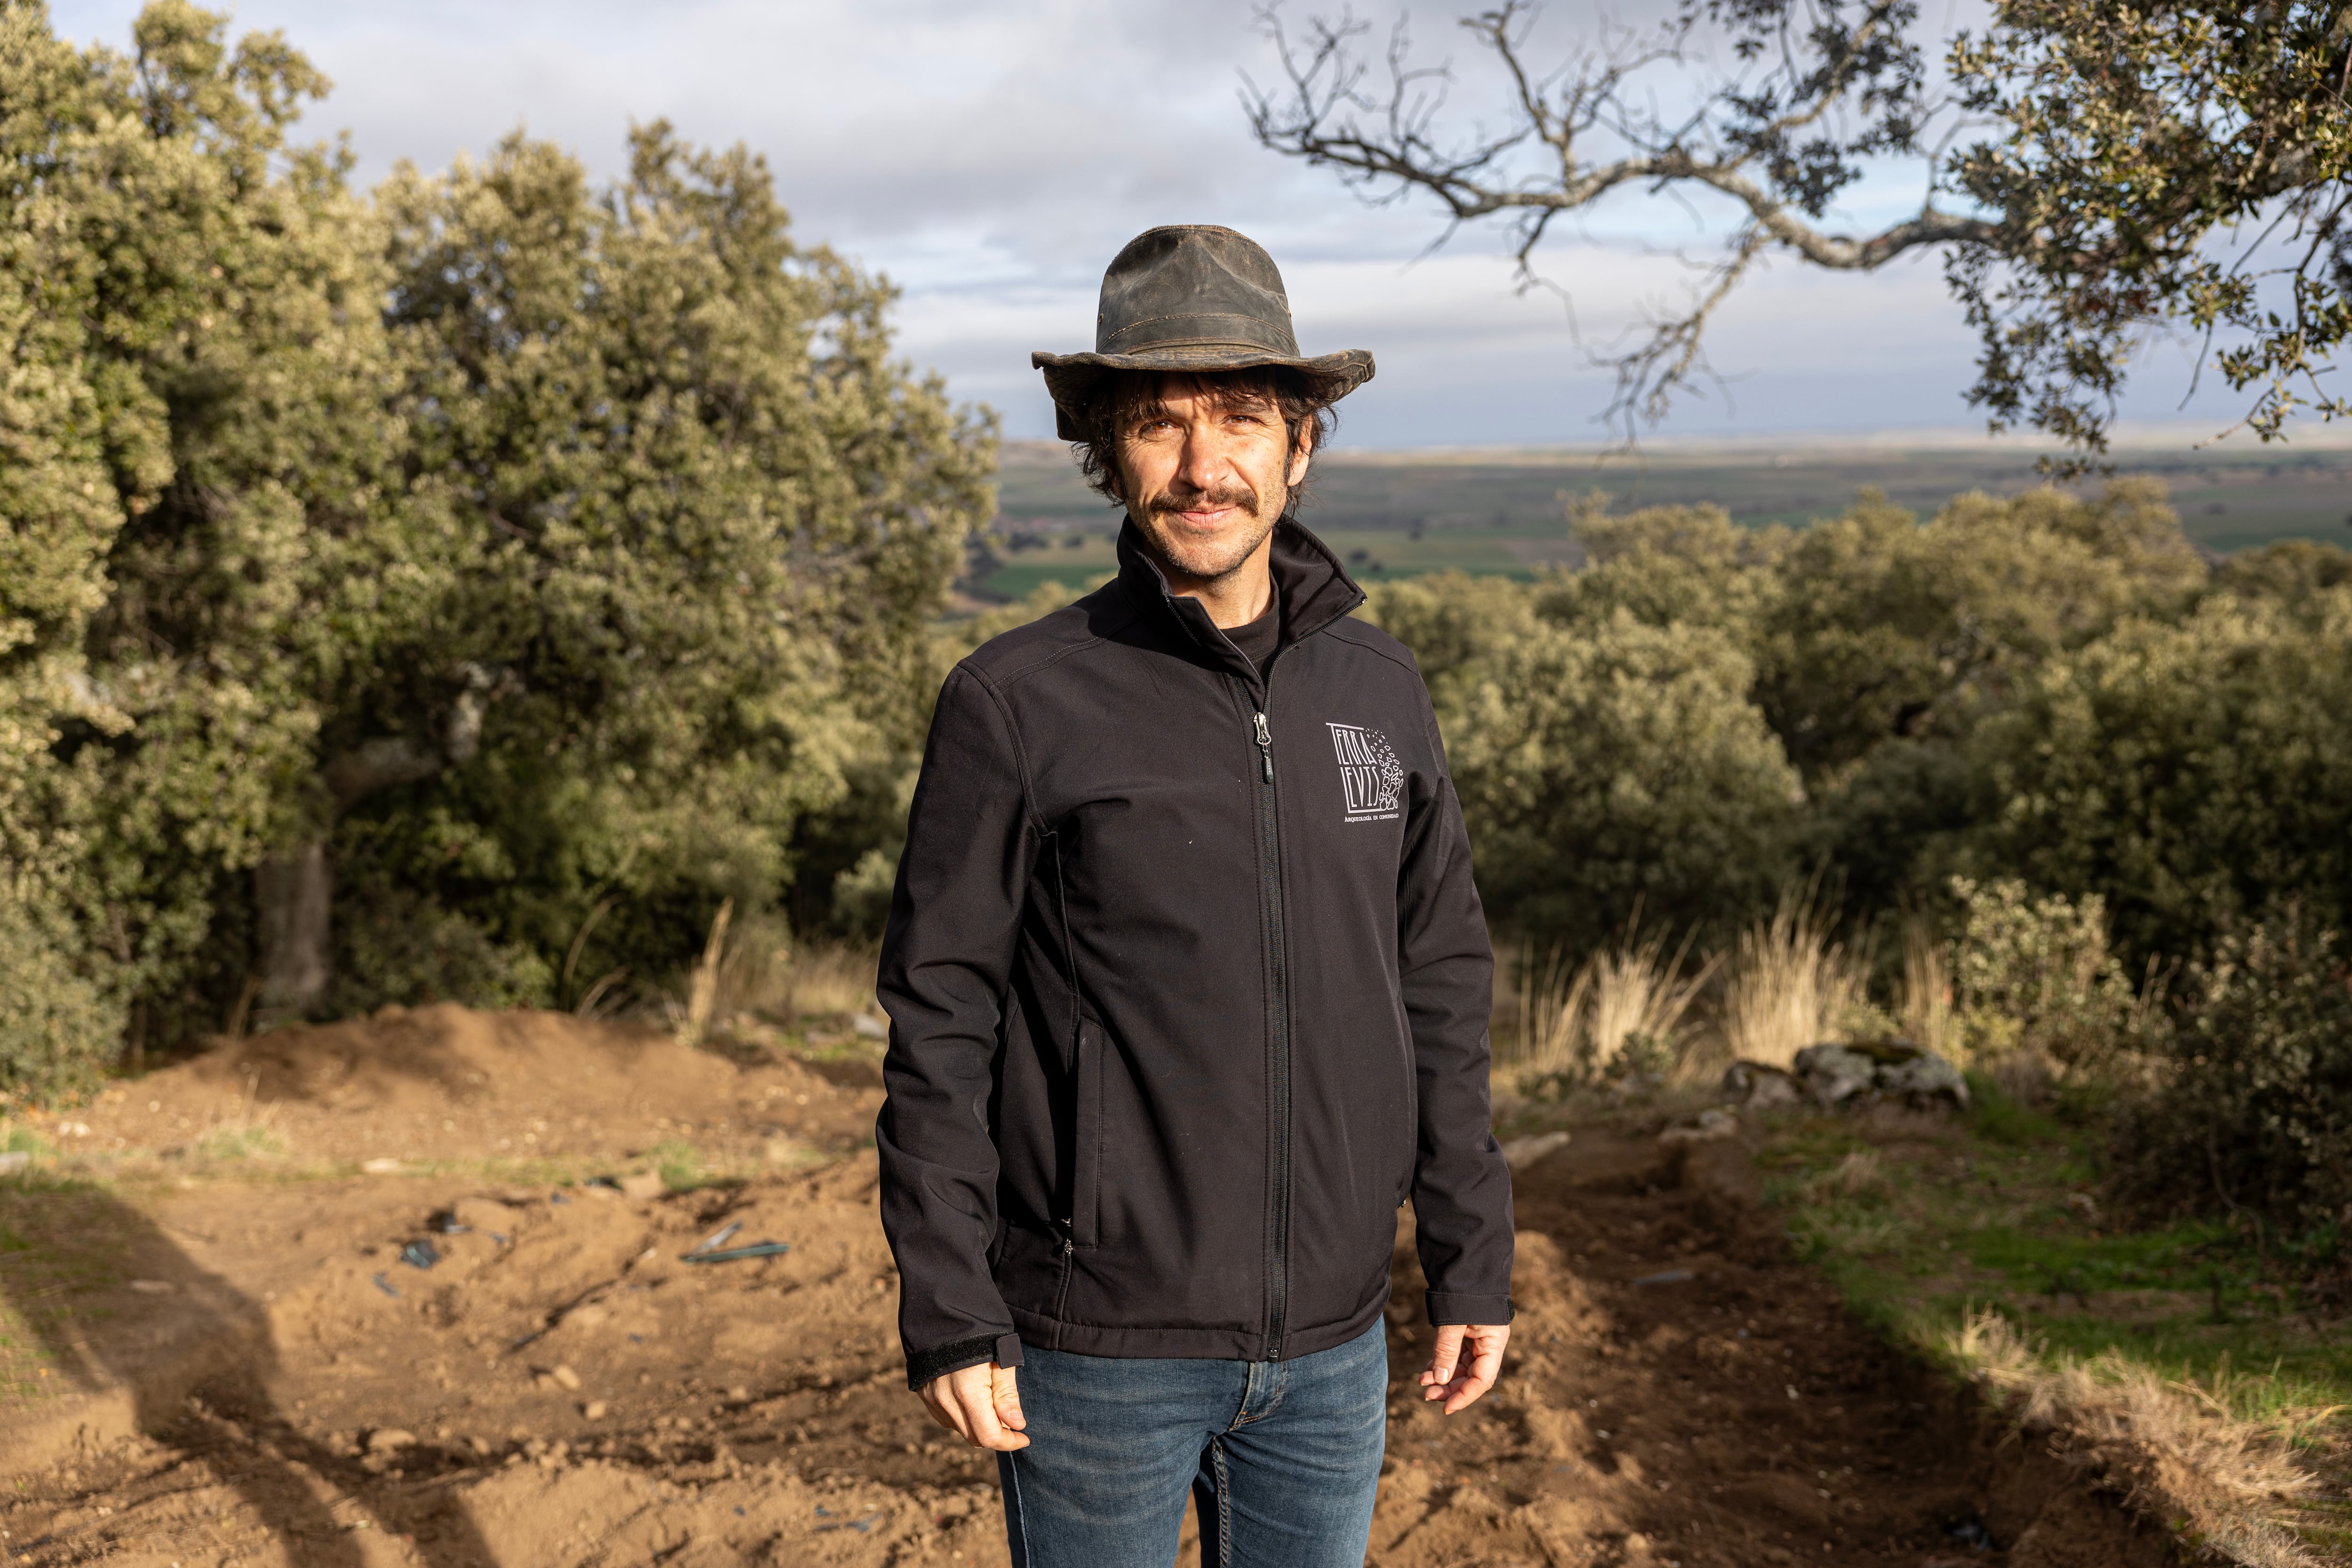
(1369, 772)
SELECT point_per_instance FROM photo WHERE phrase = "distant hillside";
(1396, 514)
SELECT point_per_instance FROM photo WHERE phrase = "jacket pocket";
(1086, 1138)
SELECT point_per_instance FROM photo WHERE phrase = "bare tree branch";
(1745, 143)
(2139, 173)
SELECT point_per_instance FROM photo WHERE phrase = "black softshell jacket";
(1188, 987)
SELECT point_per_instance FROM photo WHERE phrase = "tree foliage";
(2196, 771)
(389, 582)
(2093, 175)
(2048, 688)
(1606, 764)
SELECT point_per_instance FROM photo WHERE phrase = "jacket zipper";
(1278, 1031)
(1069, 1259)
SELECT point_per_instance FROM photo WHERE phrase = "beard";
(1208, 557)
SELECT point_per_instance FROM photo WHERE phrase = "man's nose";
(1202, 463)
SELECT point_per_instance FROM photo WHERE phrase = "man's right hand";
(979, 1404)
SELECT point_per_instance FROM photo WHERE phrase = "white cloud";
(991, 156)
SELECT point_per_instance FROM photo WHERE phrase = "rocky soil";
(255, 1374)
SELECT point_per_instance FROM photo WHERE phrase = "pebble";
(568, 1378)
(389, 1439)
(1519, 1154)
(1712, 1125)
(594, 1409)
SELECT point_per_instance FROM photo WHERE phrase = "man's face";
(1207, 476)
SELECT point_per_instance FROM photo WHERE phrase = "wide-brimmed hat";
(1191, 297)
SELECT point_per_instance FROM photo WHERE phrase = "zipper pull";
(1264, 747)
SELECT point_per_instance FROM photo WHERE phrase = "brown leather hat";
(1191, 297)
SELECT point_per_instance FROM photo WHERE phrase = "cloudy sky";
(992, 155)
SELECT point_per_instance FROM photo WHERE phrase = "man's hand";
(980, 1406)
(1453, 1377)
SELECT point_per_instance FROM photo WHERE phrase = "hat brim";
(1070, 378)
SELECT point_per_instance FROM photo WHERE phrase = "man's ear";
(1302, 451)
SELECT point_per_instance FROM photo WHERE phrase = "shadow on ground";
(118, 1313)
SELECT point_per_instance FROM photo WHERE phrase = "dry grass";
(2110, 1400)
(1926, 989)
(1791, 985)
(751, 970)
(1552, 998)
(1860, 1173)
(828, 980)
(1584, 1022)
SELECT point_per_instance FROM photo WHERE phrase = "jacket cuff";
(1444, 1308)
(924, 1366)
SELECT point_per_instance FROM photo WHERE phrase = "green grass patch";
(238, 1143)
(17, 1139)
(1998, 1211)
(685, 1167)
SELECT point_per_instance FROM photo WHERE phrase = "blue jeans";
(1284, 1457)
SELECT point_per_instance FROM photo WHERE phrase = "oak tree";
(2092, 175)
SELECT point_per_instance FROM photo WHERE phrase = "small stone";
(866, 1026)
(643, 1184)
(594, 1409)
(566, 1378)
(1519, 1154)
(389, 1441)
(1712, 1124)
(1832, 1075)
(738, 1394)
(1924, 1078)
(1758, 1085)
(380, 1167)
(153, 1286)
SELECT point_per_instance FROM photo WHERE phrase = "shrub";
(60, 1027)
(2034, 979)
(2253, 1108)
(1604, 766)
(2189, 772)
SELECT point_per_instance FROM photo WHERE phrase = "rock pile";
(1834, 1074)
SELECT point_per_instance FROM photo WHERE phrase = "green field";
(1397, 515)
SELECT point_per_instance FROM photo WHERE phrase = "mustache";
(1234, 495)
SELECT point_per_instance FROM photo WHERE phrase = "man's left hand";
(1459, 1378)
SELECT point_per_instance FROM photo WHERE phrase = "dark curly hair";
(1119, 397)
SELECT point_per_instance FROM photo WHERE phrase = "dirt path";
(261, 1380)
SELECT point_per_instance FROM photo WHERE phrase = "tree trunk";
(293, 894)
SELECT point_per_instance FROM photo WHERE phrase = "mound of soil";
(265, 1377)
(447, 1083)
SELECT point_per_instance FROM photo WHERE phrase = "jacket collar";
(1312, 587)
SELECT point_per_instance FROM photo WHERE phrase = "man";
(1189, 985)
